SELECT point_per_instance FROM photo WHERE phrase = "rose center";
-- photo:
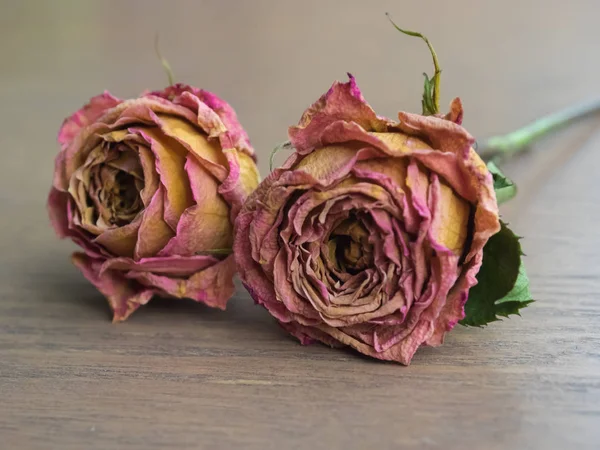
(115, 189)
(349, 246)
(127, 195)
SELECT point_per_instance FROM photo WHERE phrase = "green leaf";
(502, 285)
(427, 102)
(505, 188)
(520, 290)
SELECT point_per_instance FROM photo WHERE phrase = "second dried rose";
(149, 188)
(372, 232)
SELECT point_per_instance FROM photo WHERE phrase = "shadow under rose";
(56, 290)
(53, 281)
(240, 309)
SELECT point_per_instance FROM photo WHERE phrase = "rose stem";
(431, 96)
(163, 61)
(498, 148)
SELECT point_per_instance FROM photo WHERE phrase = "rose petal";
(120, 241)
(208, 105)
(212, 286)
(262, 289)
(200, 230)
(124, 296)
(205, 226)
(241, 181)
(154, 232)
(450, 217)
(456, 112)
(57, 208)
(187, 96)
(170, 161)
(151, 178)
(235, 132)
(343, 102)
(208, 152)
(96, 107)
(177, 266)
(454, 309)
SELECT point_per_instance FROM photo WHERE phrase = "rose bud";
(149, 188)
(372, 232)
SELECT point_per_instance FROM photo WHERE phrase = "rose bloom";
(149, 189)
(371, 233)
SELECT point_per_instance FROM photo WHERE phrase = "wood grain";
(179, 375)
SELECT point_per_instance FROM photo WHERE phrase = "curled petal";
(154, 232)
(57, 206)
(188, 97)
(212, 286)
(120, 241)
(60, 211)
(206, 225)
(170, 161)
(208, 152)
(456, 112)
(343, 102)
(261, 289)
(241, 181)
(151, 179)
(123, 295)
(177, 266)
(96, 107)
(229, 125)
(200, 230)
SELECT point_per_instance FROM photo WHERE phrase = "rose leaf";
(505, 188)
(502, 287)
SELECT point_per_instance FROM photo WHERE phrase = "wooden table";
(178, 375)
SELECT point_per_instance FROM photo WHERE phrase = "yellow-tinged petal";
(401, 144)
(120, 241)
(450, 220)
(170, 162)
(195, 141)
(393, 168)
(326, 161)
(154, 232)
(478, 162)
(151, 179)
(206, 225)
(116, 135)
(249, 175)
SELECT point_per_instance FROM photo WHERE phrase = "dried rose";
(149, 188)
(372, 232)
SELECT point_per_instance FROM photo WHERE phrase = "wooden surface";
(178, 375)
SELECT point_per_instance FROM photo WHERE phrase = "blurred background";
(510, 61)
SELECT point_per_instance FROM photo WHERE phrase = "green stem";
(501, 147)
(431, 98)
(163, 61)
(287, 145)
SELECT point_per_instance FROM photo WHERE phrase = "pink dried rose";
(149, 189)
(371, 233)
